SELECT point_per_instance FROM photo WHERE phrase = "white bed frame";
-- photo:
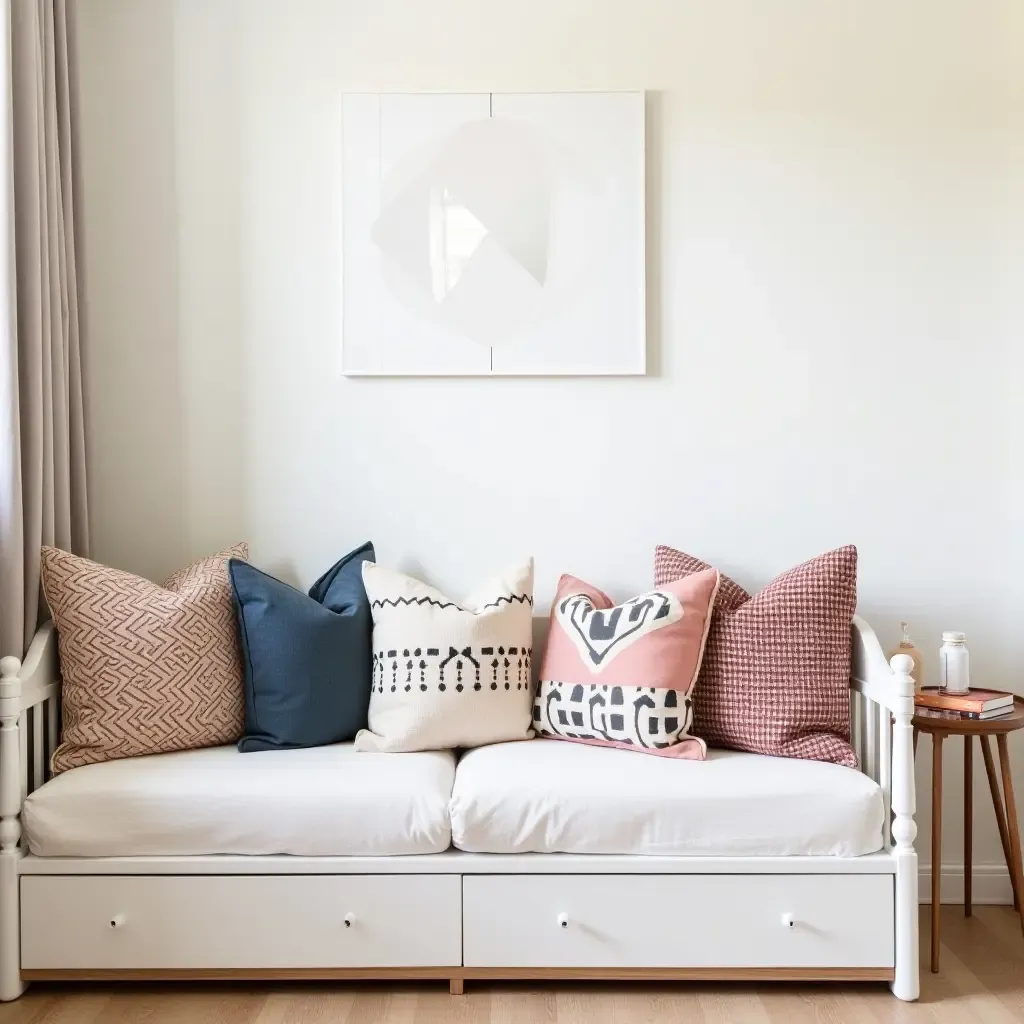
(457, 916)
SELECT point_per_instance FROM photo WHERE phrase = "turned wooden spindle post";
(11, 985)
(904, 830)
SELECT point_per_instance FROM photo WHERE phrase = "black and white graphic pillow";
(623, 674)
(644, 717)
(449, 674)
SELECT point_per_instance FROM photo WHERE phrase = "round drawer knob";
(350, 919)
(788, 921)
(117, 921)
(563, 920)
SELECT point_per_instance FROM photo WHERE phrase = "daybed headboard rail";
(881, 708)
(29, 728)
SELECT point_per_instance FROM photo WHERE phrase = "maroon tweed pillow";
(776, 672)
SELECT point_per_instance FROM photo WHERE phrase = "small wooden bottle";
(906, 646)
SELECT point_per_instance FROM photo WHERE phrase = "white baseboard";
(991, 884)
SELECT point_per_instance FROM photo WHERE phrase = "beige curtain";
(42, 430)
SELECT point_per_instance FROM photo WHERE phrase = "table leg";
(1015, 866)
(968, 820)
(997, 805)
(915, 744)
(936, 844)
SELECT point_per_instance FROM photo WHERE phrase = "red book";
(977, 702)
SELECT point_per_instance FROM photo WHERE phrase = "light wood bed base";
(457, 977)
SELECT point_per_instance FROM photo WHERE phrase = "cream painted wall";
(836, 259)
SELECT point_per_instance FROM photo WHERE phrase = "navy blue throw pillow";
(307, 660)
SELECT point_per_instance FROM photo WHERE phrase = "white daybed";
(326, 863)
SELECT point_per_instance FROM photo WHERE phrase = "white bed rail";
(881, 714)
(29, 732)
(30, 706)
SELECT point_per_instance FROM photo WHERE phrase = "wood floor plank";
(968, 991)
(1005, 925)
(602, 1003)
(403, 1005)
(436, 1006)
(374, 1005)
(274, 1009)
(941, 999)
(670, 1006)
(30, 1008)
(316, 1004)
(515, 1005)
(652, 1003)
(876, 1005)
(580, 1006)
(168, 1004)
(807, 1004)
(997, 964)
(736, 1005)
(86, 1007)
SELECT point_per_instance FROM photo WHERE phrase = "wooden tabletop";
(931, 720)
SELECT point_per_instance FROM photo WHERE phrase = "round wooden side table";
(940, 725)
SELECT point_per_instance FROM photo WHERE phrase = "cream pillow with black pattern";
(449, 674)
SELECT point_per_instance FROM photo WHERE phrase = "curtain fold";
(43, 497)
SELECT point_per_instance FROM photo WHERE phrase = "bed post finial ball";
(9, 669)
(902, 664)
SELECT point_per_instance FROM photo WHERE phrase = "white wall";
(836, 258)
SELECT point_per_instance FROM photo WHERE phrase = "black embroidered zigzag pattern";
(394, 602)
(509, 600)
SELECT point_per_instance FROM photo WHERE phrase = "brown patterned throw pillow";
(146, 669)
(776, 672)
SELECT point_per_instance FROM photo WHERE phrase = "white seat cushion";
(325, 801)
(553, 796)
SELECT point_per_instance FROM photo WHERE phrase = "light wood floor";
(982, 979)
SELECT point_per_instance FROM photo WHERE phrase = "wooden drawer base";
(482, 974)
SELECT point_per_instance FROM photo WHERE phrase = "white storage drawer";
(234, 921)
(678, 921)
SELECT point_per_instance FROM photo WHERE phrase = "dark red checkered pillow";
(776, 671)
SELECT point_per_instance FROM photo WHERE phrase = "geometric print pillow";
(624, 675)
(146, 668)
(776, 674)
(448, 674)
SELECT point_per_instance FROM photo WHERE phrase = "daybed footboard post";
(907, 983)
(11, 985)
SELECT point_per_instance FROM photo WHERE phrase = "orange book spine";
(948, 703)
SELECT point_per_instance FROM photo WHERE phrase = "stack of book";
(980, 704)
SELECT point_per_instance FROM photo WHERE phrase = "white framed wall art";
(493, 233)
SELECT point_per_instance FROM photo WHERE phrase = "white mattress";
(327, 801)
(552, 796)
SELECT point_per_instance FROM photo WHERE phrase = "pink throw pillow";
(623, 675)
(776, 675)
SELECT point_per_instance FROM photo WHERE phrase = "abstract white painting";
(493, 233)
